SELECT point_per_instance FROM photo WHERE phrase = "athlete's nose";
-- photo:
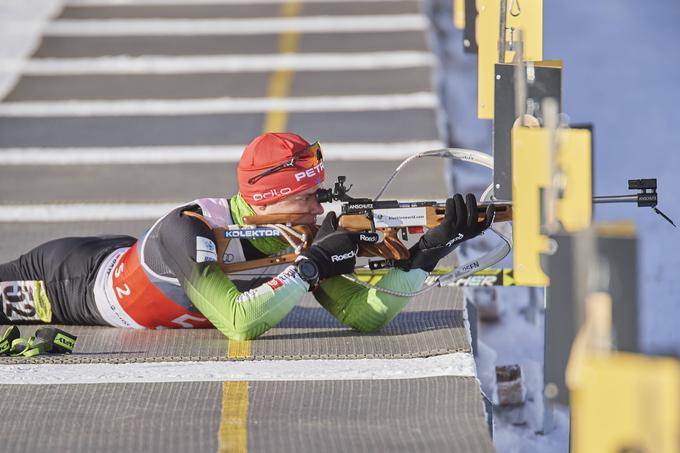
(316, 207)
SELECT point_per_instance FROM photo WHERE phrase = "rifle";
(393, 220)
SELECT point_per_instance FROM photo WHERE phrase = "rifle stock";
(503, 211)
(391, 247)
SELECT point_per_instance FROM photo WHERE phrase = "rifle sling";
(229, 268)
(261, 262)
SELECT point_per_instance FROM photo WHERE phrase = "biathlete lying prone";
(169, 278)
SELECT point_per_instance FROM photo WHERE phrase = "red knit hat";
(277, 165)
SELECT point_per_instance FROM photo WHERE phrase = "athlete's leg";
(52, 282)
(14, 289)
(23, 296)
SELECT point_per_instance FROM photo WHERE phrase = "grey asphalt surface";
(266, 43)
(169, 183)
(224, 129)
(237, 11)
(20, 237)
(235, 85)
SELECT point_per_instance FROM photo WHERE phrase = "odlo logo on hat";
(277, 165)
(273, 193)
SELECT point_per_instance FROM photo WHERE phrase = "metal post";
(501, 32)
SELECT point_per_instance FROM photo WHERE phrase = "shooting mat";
(431, 324)
(283, 416)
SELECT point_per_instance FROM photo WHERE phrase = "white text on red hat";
(309, 173)
(272, 193)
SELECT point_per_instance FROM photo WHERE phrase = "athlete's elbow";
(240, 336)
(245, 332)
(372, 328)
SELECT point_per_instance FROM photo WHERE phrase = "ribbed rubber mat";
(431, 324)
(430, 415)
(159, 417)
(113, 345)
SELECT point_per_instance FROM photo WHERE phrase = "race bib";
(25, 301)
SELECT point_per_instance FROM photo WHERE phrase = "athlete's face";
(304, 202)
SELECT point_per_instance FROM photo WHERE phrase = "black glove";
(334, 251)
(459, 224)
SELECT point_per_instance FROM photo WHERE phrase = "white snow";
(455, 364)
(516, 340)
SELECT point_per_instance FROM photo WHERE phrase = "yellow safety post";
(626, 402)
(574, 160)
(544, 192)
(620, 401)
(529, 174)
(525, 15)
(459, 14)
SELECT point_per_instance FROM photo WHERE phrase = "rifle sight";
(337, 193)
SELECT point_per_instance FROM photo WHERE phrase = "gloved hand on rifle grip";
(459, 224)
(334, 250)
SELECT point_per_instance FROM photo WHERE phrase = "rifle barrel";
(616, 199)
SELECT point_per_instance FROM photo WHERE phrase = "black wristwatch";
(308, 271)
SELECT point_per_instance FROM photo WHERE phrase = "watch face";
(307, 270)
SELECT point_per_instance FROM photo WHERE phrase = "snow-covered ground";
(518, 339)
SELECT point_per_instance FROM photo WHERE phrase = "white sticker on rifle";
(399, 217)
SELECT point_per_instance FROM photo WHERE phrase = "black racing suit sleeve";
(178, 234)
